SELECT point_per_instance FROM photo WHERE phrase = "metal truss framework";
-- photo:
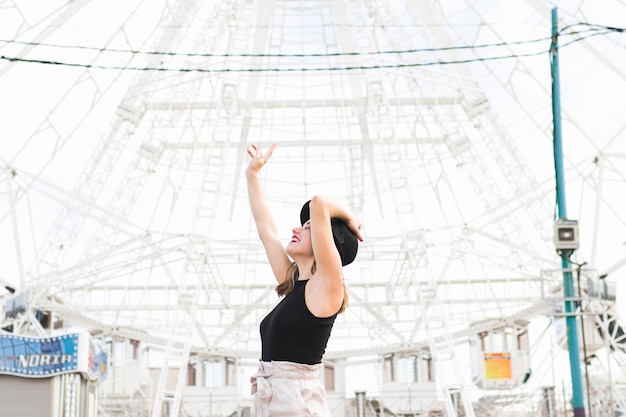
(154, 240)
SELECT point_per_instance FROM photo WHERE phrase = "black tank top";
(290, 332)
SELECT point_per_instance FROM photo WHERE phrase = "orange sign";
(498, 366)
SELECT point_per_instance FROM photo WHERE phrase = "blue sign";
(38, 357)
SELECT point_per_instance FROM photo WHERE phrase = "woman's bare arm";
(263, 218)
(326, 288)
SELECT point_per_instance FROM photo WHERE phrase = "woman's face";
(300, 243)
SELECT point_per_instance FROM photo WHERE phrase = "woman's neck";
(305, 269)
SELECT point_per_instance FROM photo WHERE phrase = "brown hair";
(286, 286)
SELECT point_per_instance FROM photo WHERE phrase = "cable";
(595, 31)
(586, 37)
(247, 55)
(205, 70)
(593, 25)
(562, 32)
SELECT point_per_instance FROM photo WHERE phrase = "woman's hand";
(355, 225)
(258, 159)
(335, 210)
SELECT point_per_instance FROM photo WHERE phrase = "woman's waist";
(290, 370)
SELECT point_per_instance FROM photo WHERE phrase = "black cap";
(345, 240)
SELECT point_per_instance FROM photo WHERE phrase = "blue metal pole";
(569, 292)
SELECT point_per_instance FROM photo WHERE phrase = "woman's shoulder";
(323, 296)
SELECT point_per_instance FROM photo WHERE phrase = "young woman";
(295, 333)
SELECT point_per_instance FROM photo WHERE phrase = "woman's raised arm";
(263, 218)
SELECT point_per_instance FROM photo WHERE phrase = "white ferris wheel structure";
(124, 209)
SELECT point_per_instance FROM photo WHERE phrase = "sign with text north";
(38, 356)
(41, 357)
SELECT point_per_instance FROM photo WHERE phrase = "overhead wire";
(562, 32)
(591, 30)
(249, 55)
